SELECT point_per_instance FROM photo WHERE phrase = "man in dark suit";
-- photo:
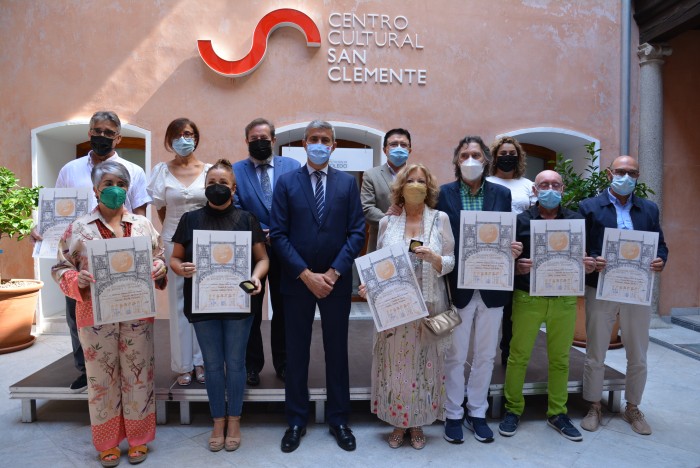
(375, 193)
(256, 178)
(481, 309)
(317, 230)
(617, 208)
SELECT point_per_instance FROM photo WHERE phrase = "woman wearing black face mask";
(508, 169)
(177, 186)
(222, 336)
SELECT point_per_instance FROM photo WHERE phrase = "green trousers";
(559, 315)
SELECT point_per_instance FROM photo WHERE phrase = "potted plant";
(17, 297)
(578, 187)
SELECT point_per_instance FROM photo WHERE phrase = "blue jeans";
(78, 356)
(223, 343)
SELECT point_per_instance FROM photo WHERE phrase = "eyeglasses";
(622, 172)
(187, 135)
(547, 186)
(396, 144)
(104, 132)
(258, 137)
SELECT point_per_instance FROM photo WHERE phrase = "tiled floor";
(61, 436)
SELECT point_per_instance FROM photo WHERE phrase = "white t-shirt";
(76, 174)
(520, 192)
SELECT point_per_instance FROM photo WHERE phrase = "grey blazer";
(375, 197)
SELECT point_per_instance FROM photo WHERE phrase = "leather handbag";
(443, 323)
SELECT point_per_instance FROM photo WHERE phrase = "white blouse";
(520, 192)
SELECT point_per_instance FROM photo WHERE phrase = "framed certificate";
(123, 288)
(558, 247)
(627, 276)
(485, 255)
(222, 259)
(58, 207)
(393, 293)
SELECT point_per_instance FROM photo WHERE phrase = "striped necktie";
(265, 184)
(320, 195)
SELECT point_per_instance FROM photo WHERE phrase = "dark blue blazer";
(600, 213)
(496, 198)
(249, 195)
(301, 241)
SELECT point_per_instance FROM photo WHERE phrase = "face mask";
(398, 156)
(260, 149)
(471, 169)
(113, 197)
(318, 153)
(414, 193)
(549, 199)
(506, 163)
(623, 185)
(183, 146)
(101, 145)
(218, 194)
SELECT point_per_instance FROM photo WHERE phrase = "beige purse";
(443, 323)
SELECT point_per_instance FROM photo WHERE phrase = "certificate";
(58, 207)
(393, 293)
(123, 288)
(222, 259)
(485, 256)
(627, 276)
(557, 252)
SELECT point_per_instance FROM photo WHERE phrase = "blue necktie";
(266, 185)
(320, 195)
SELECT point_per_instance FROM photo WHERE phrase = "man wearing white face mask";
(482, 310)
(558, 313)
(375, 193)
(317, 229)
(618, 207)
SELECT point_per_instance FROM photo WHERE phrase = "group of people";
(307, 225)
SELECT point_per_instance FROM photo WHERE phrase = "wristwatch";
(337, 273)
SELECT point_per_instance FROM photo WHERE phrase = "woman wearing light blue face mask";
(177, 187)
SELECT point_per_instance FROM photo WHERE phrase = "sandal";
(137, 454)
(417, 437)
(234, 427)
(397, 437)
(184, 379)
(217, 443)
(199, 374)
(110, 457)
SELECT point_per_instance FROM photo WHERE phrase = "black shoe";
(253, 379)
(282, 373)
(292, 438)
(343, 435)
(504, 359)
(80, 384)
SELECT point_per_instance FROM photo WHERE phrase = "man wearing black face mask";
(256, 177)
(105, 135)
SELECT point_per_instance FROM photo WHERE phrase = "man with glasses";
(376, 183)
(256, 178)
(558, 313)
(618, 207)
(105, 135)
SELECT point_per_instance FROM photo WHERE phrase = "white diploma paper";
(123, 288)
(627, 276)
(557, 247)
(222, 259)
(485, 256)
(393, 293)
(58, 207)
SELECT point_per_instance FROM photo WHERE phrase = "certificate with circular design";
(223, 261)
(557, 251)
(58, 207)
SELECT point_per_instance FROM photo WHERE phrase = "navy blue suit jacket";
(249, 195)
(496, 198)
(301, 241)
(600, 213)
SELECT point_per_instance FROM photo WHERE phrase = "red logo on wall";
(270, 22)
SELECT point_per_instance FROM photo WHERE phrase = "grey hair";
(484, 149)
(319, 124)
(101, 116)
(110, 167)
